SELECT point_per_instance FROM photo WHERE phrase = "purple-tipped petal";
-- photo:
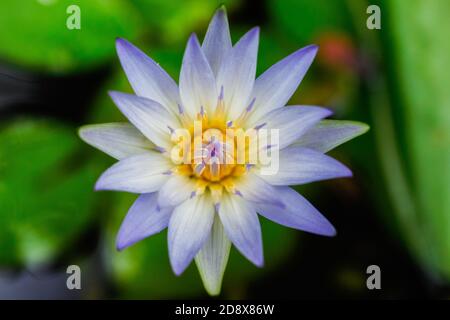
(146, 77)
(242, 227)
(197, 81)
(189, 228)
(143, 219)
(217, 42)
(274, 88)
(292, 122)
(299, 165)
(143, 173)
(328, 134)
(297, 213)
(148, 116)
(119, 140)
(237, 73)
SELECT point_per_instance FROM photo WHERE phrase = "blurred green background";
(394, 213)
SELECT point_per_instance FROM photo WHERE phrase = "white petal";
(212, 259)
(242, 227)
(237, 73)
(119, 140)
(299, 165)
(143, 173)
(189, 228)
(144, 219)
(217, 42)
(197, 81)
(176, 190)
(328, 134)
(274, 88)
(148, 116)
(146, 77)
(291, 122)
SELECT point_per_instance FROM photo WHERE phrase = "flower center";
(217, 152)
(213, 156)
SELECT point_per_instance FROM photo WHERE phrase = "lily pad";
(35, 33)
(45, 191)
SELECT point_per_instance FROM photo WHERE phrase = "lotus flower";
(212, 200)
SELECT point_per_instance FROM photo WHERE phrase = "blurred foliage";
(172, 20)
(409, 105)
(46, 196)
(302, 21)
(34, 33)
(421, 51)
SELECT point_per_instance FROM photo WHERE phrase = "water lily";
(208, 204)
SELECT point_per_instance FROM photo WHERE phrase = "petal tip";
(120, 246)
(177, 263)
(259, 262)
(221, 11)
(122, 44)
(308, 52)
(193, 39)
(113, 94)
(222, 7)
(254, 32)
(342, 170)
(328, 230)
(83, 133)
(177, 269)
(120, 41)
(116, 96)
(327, 112)
(363, 128)
(348, 173)
(122, 242)
(311, 49)
(100, 184)
(213, 292)
(257, 257)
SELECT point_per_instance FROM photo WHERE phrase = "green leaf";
(45, 191)
(34, 33)
(421, 51)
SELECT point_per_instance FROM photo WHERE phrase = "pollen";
(212, 155)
